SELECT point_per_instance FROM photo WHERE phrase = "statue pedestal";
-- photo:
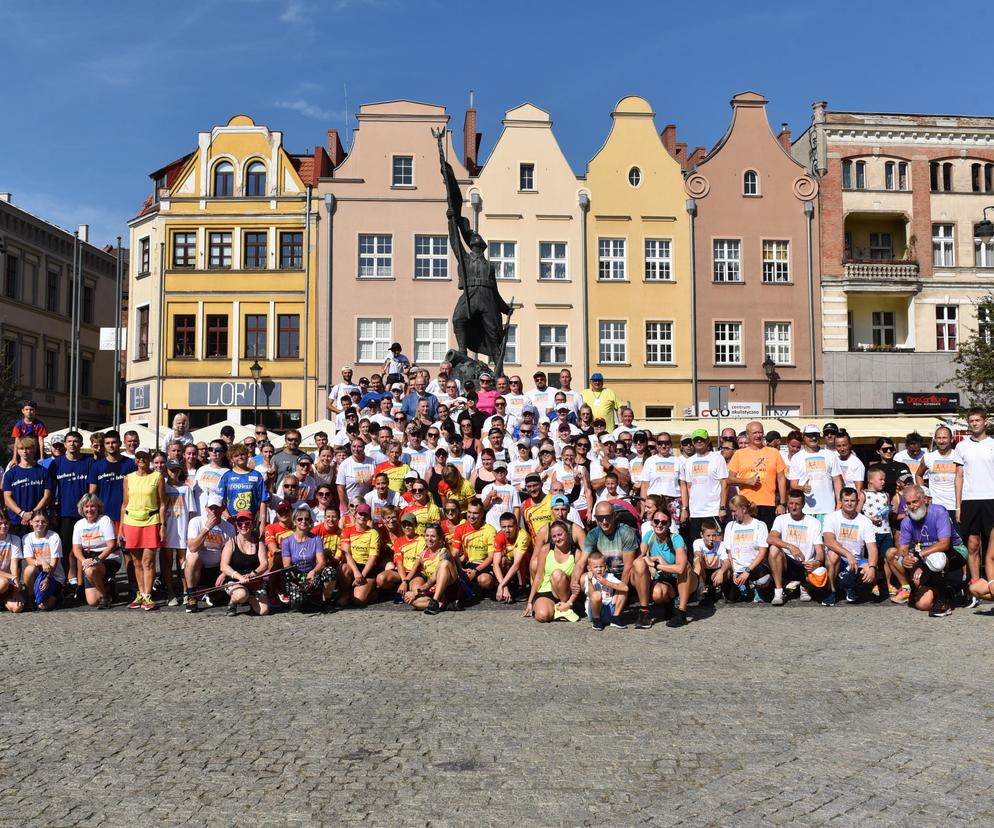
(465, 368)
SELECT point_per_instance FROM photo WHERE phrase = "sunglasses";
(324, 494)
(243, 522)
(599, 518)
(260, 434)
(886, 448)
(213, 450)
(420, 490)
(664, 442)
(302, 520)
(452, 511)
(660, 523)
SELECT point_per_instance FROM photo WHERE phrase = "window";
(552, 344)
(219, 251)
(511, 346)
(975, 177)
(375, 257)
(902, 175)
(184, 249)
(776, 262)
(526, 177)
(776, 336)
(612, 342)
(658, 412)
(750, 183)
(889, 169)
(658, 260)
(52, 293)
(727, 260)
(881, 247)
(988, 178)
(659, 343)
(217, 336)
(375, 336)
(847, 175)
(141, 335)
(635, 176)
(860, 175)
(848, 181)
(288, 336)
(11, 277)
(51, 369)
(184, 336)
(88, 300)
(256, 325)
(728, 343)
(144, 255)
(552, 261)
(983, 252)
(943, 245)
(291, 251)
(158, 185)
(884, 328)
(86, 376)
(255, 250)
(255, 179)
(431, 257)
(985, 323)
(941, 176)
(503, 256)
(224, 179)
(431, 340)
(611, 259)
(403, 171)
(946, 327)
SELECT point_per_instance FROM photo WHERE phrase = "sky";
(95, 96)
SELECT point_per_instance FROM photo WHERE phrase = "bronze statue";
(477, 320)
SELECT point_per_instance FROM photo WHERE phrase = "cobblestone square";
(754, 715)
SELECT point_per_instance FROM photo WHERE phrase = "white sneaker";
(973, 602)
(805, 595)
(793, 585)
(207, 600)
(777, 598)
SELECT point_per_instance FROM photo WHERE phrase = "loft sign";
(235, 394)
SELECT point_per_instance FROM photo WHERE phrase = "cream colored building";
(527, 199)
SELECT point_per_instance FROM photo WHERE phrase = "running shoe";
(103, 603)
(643, 621)
(231, 611)
(597, 624)
(778, 599)
(851, 596)
(174, 601)
(192, 605)
(618, 624)
(433, 607)
(940, 611)
(148, 604)
(901, 596)
(137, 601)
(828, 600)
(972, 602)
(207, 600)
(805, 595)
(793, 585)
(283, 598)
(678, 619)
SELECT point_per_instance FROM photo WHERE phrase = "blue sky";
(97, 95)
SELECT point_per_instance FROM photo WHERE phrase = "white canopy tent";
(213, 432)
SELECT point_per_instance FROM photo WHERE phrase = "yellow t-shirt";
(143, 499)
(425, 515)
(603, 403)
(538, 516)
(363, 545)
(476, 543)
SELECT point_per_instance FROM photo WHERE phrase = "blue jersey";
(665, 550)
(27, 486)
(242, 491)
(109, 480)
(71, 479)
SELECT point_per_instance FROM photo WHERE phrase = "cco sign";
(235, 394)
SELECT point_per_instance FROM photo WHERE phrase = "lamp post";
(772, 378)
(984, 230)
(256, 370)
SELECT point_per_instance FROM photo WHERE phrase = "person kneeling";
(673, 579)
(243, 562)
(554, 591)
(931, 552)
(443, 589)
(309, 579)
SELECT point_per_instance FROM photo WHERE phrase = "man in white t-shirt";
(851, 542)
(355, 473)
(345, 387)
(627, 426)
(975, 504)
(942, 471)
(912, 454)
(661, 471)
(816, 472)
(795, 547)
(703, 486)
(573, 397)
(541, 396)
(206, 536)
(853, 470)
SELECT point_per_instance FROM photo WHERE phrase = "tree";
(975, 359)
(10, 404)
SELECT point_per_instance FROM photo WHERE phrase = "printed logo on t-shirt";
(797, 534)
(699, 470)
(816, 468)
(848, 532)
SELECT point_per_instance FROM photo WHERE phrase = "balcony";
(876, 273)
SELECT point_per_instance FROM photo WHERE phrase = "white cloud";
(295, 12)
(308, 109)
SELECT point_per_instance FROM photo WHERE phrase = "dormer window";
(255, 179)
(750, 183)
(224, 179)
(160, 184)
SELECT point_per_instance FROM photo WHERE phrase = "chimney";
(470, 138)
(784, 137)
(7, 198)
(695, 157)
(818, 114)
(335, 149)
(84, 232)
(668, 136)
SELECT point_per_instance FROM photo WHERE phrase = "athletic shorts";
(607, 611)
(550, 595)
(885, 540)
(111, 566)
(793, 569)
(976, 518)
(666, 578)
(767, 514)
(137, 538)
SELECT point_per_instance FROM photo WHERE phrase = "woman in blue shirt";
(666, 557)
(308, 573)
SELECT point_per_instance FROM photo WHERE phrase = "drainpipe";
(809, 211)
(584, 209)
(307, 300)
(329, 206)
(159, 345)
(692, 212)
(118, 302)
(73, 341)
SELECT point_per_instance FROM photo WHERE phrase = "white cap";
(936, 561)
(811, 428)
(214, 500)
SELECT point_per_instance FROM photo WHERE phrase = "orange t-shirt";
(769, 463)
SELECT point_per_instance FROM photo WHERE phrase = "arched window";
(224, 179)
(635, 176)
(750, 183)
(255, 179)
(889, 182)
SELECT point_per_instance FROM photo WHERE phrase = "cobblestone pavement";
(755, 715)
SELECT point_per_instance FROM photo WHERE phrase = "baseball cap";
(818, 578)
(214, 500)
(524, 441)
(906, 477)
(811, 428)
(173, 463)
(597, 375)
(441, 450)
(699, 434)
(500, 464)
(772, 435)
(830, 428)
(244, 513)
(529, 409)
(486, 374)
(397, 386)
(533, 478)
(304, 460)
(562, 407)
(346, 368)
(560, 500)
(685, 438)
(538, 374)
(283, 506)
(412, 475)
(363, 509)
(606, 438)
(408, 517)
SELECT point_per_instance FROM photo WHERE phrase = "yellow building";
(223, 276)
(639, 331)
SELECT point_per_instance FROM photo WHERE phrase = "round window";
(635, 176)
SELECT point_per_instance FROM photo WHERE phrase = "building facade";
(529, 212)
(387, 271)
(36, 266)
(223, 277)
(639, 330)
(901, 269)
(754, 204)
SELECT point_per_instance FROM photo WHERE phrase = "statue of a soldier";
(478, 318)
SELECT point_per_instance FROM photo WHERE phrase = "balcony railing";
(869, 347)
(881, 269)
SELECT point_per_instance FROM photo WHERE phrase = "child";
(710, 560)
(878, 506)
(30, 426)
(600, 587)
(40, 552)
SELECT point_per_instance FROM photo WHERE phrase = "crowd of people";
(438, 496)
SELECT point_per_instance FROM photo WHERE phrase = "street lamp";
(985, 228)
(772, 377)
(255, 369)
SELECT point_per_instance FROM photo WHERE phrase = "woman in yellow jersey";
(399, 574)
(360, 546)
(456, 487)
(330, 534)
(443, 589)
(421, 506)
(143, 519)
(553, 593)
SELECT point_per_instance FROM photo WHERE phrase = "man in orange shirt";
(761, 475)
(475, 543)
